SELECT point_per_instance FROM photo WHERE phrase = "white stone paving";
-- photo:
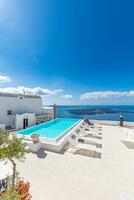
(75, 177)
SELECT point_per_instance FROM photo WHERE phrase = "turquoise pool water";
(52, 129)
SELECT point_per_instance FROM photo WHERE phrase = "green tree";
(12, 150)
(3, 136)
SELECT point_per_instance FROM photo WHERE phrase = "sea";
(62, 111)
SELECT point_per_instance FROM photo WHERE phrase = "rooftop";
(19, 95)
(69, 177)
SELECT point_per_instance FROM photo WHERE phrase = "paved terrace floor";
(75, 177)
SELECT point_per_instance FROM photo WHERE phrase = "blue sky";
(80, 52)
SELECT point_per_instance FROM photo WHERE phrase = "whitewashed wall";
(12, 121)
(19, 120)
(17, 105)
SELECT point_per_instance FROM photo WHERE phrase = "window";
(9, 112)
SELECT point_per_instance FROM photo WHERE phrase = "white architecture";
(20, 111)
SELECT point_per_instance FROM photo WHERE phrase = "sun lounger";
(84, 149)
(93, 130)
(90, 134)
(89, 140)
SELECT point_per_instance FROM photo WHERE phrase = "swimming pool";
(52, 129)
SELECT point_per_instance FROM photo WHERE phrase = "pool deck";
(66, 176)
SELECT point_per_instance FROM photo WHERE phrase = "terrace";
(70, 176)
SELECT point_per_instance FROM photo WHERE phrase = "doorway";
(25, 123)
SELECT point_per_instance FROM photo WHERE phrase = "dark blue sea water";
(62, 112)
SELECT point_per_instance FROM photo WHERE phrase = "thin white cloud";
(130, 93)
(30, 91)
(67, 96)
(106, 94)
(57, 91)
(4, 79)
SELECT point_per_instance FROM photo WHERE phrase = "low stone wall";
(2, 126)
(112, 123)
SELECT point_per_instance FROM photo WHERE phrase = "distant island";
(94, 111)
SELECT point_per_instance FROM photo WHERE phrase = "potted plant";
(35, 138)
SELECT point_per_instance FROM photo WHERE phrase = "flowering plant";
(20, 191)
(22, 188)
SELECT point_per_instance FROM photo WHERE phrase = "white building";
(20, 111)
